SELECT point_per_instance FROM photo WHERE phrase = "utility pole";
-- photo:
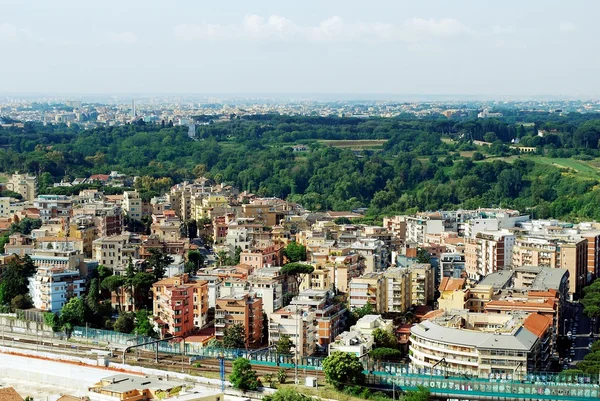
(296, 350)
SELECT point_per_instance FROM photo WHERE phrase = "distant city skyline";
(385, 50)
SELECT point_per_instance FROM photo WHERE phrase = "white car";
(569, 334)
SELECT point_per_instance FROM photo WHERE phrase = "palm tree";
(222, 257)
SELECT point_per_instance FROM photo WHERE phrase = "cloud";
(503, 30)
(567, 26)
(443, 27)
(333, 29)
(13, 33)
(124, 38)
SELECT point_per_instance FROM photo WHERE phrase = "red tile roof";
(537, 324)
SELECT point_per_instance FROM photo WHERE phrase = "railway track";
(144, 358)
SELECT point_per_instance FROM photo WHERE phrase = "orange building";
(180, 305)
(245, 309)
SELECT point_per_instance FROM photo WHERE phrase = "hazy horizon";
(383, 47)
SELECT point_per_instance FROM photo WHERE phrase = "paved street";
(580, 326)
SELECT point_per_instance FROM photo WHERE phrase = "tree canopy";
(234, 336)
(343, 369)
(295, 252)
(242, 376)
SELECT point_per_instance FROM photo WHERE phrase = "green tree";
(92, 298)
(195, 262)
(423, 256)
(159, 261)
(234, 336)
(284, 345)
(103, 272)
(142, 283)
(343, 369)
(385, 354)
(143, 324)
(366, 309)
(3, 241)
(13, 282)
(295, 252)
(113, 284)
(591, 299)
(223, 258)
(384, 339)
(125, 323)
(236, 257)
(297, 271)
(288, 394)
(281, 375)
(242, 376)
(21, 302)
(72, 314)
(421, 394)
(27, 266)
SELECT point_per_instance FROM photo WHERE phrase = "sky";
(426, 47)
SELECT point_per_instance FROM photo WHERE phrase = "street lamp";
(296, 350)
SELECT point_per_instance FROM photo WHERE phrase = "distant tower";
(192, 131)
(133, 107)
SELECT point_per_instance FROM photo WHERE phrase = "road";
(580, 326)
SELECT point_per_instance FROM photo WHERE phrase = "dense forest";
(419, 164)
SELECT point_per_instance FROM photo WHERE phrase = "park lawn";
(582, 169)
(355, 144)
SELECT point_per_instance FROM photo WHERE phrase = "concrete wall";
(12, 325)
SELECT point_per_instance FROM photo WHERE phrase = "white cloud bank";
(333, 29)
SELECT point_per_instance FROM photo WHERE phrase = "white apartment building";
(53, 206)
(488, 252)
(480, 344)
(299, 324)
(132, 205)
(52, 287)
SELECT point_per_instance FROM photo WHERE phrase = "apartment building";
(167, 226)
(319, 279)
(398, 289)
(52, 287)
(132, 205)
(259, 258)
(299, 324)
(8, 207)
(19, 244)
(488, 253)
(422, 281)
(180, 305)
(330, 316)
(481, 344)
(53, 206)
(368, 288)
(245, 309)
(270, 290)
(115, 251)
(570, 254)
(376, 255)
(24, 185)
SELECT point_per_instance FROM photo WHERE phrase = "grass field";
(355, 144)
(582, 168)
(3, 178)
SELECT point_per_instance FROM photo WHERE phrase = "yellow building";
(319, 279)
(453, 295)
(210, 206)
(422, 284)
(397, 290)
